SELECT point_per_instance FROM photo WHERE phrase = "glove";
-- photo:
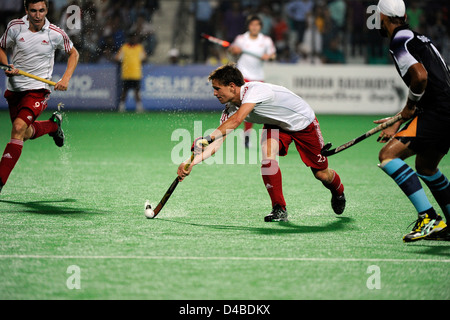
(201, 143)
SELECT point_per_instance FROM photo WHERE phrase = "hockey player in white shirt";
(254, 48)
(286, 117)
(32, 42)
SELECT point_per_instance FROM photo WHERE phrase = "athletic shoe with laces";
(424, 227)
(58, 135)
(277, 214)
(338, 203)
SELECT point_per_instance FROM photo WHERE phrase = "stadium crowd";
(310, 31)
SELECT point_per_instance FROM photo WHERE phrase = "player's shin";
(406, 178)
(440, 188)
(42, 128)
(271, 175)
(9, 159)
(331, 180)
(335, 186)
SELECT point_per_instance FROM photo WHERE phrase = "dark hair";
(227, 74)
(398, 20)
(26, 3)
(252, 18)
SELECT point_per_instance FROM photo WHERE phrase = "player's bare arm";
(419, 79)
(233, 122)
(4, 60)
(217, 137)
(72, 62)
(269, 57)
(235, 50)
(200, 156)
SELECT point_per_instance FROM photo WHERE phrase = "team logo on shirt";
(423, 39)
(245, 91)
(45, 43)
(22, 40)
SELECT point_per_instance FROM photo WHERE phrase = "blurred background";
(332, 32)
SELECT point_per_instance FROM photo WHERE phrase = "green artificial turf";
(83, 205)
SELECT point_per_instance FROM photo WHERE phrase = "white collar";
(247, 34)
(27, 23)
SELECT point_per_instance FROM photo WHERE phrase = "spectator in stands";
(311, 47)
(267, 18)
(357, 26)
(10, 10)
(298, 11)
(233, 21)
(438, 32)
(131, 55)
(338, 11)
(280, 33)
(414, 14)
(333, 54)
(146, 30)
(202, 11)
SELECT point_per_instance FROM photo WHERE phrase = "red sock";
(336, 187)
(43, 127)
(10, 157)
(271, 175)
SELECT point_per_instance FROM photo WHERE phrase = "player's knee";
(384, 155)
(323, 175)
(425, 171)
(18, 129)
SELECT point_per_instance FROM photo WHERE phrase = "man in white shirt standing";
(32, 42)
(286, 117)
(254, 48)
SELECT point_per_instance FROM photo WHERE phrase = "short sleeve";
(61, 39)
(256, 94)
(400, 52)
(270, 47)
(238, 41)
(11, 32)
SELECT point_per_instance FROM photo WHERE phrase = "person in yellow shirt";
(131, 55)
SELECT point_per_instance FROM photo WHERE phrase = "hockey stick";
(225, 44)
(326, 149)
(26, 74)
(149, 213)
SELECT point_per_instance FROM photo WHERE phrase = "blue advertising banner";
(176, 88)
(97, 87)
(91, 87)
